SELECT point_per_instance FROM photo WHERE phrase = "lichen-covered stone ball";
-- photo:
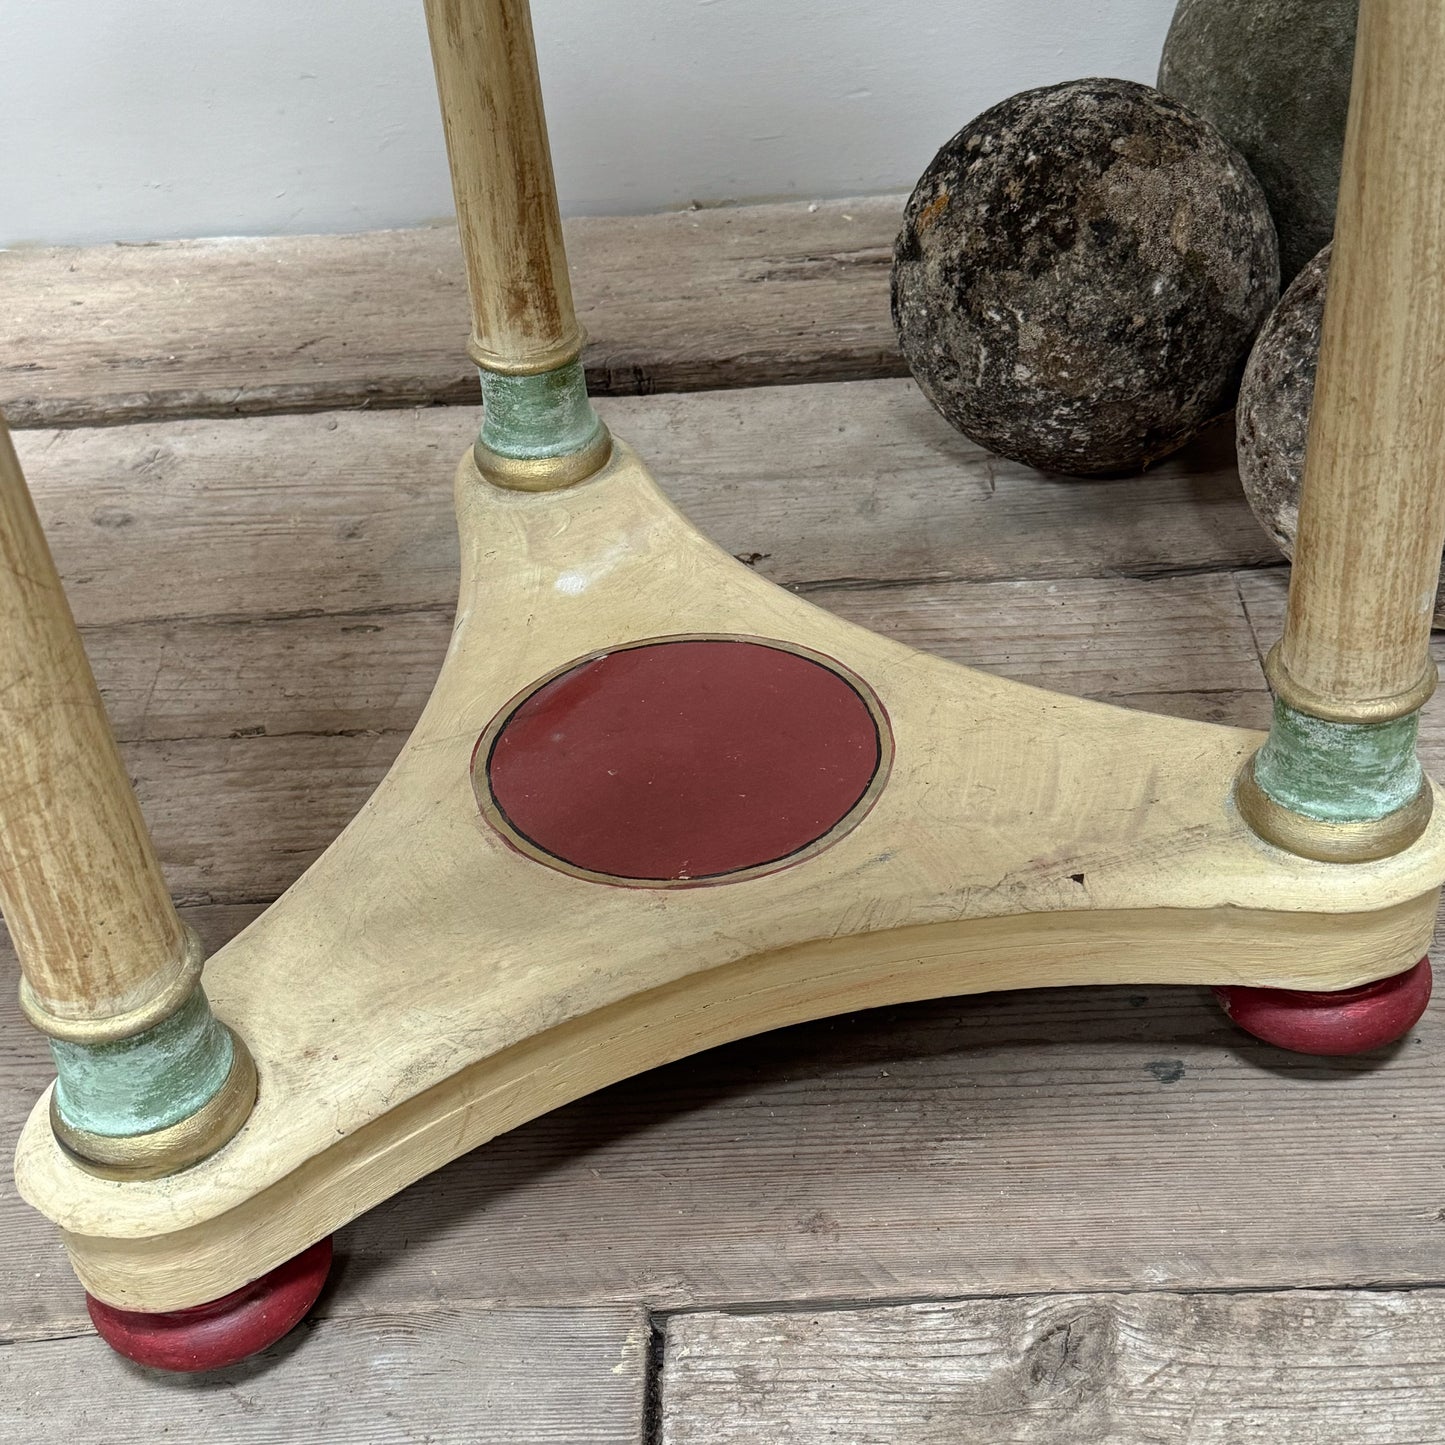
(1273, 417)
(1079, 275)
(1274, 77)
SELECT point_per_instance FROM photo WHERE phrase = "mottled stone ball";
(1079, 275)
(1274, 78)
(1273, 417)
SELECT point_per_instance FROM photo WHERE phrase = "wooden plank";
(196, 528)
(1265, 593)
(1302, 1367)
(1030, 1141)
(238, 820)
(537, 931)
(1103, 638)
(870, 1157)
(510, 1377)
(820, 486)
(732, 296)
(241, 813)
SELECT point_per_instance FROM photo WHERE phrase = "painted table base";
(514, 919)
(249, 1320)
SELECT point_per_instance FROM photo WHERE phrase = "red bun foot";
(225, 1331)
(1352, 1021)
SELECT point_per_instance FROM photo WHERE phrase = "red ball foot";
(1352, 1021)
(225, 1331)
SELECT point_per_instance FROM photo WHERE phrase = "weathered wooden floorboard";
(273, 574)
(268, 599)
(817, 487)
(1102, 638)
(1264, 596)
(445, 1376)
(1301, 1367)
(735, 296)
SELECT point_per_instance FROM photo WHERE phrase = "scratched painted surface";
(149, 1081)
(543, 415)
(1339, 772)
(684, 760)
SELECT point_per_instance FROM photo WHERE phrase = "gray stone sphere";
(1273, 417)
(1079, 275)
(1274, 77)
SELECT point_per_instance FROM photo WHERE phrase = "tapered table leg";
(538, 429)
(1339, 780)
(149, 1081)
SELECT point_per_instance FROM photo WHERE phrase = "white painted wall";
(142, 119)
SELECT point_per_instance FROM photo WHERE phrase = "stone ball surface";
(1079, 275)
(1272, 420)
(1274, 77)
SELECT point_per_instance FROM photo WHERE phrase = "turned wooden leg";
(148, 1080)
(1338, 779)
(539, 431)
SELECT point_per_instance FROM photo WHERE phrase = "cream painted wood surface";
(511, 230)
(730, 296)
(959, 843)
(1109, 1139)
(1295, 1368)
(447, 1376)
(1372, 514)
(80, 886)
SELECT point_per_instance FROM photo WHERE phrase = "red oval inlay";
(684, 760)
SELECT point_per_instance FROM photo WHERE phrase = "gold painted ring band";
(1368, 710)
(1326, 842)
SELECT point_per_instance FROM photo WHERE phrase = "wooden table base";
(864, 825)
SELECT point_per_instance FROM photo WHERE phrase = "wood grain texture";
(1297, 1368)
(869, 1157)
(253, 743)
(80, 885)
(445, 1376)
(1106, 638)
(1372, 511)
(511, 229)
(263, 646)
(346, 512)
(717, 1228)
(726, 297)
